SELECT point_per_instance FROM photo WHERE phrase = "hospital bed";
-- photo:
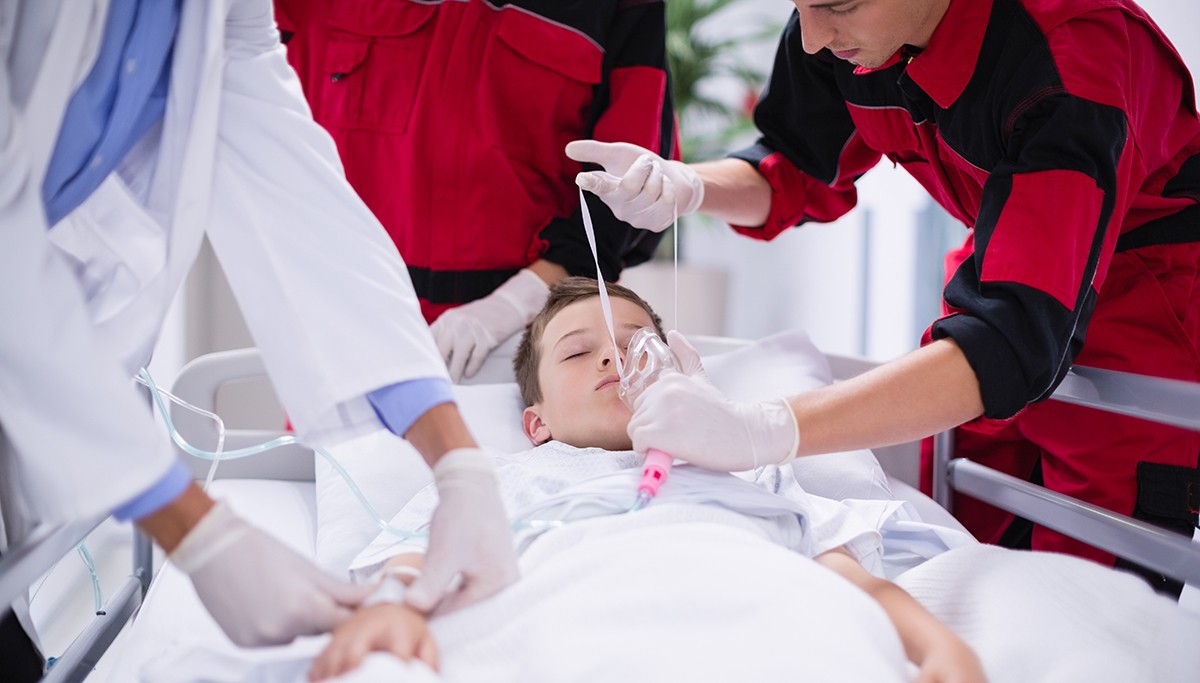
(281, 492)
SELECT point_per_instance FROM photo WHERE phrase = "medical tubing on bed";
(97, 596)
(212, 469)
(262, 448)
(535, 525)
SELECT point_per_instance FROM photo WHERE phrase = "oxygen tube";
(647, 357)
(157, 394)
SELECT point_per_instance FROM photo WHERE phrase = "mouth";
(845, 55)
(611, 380)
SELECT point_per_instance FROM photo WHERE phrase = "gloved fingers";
(430, 587)
(645, 434)
(460, 353)
(443, 335)
(633, 183)
(667, 196)
(475, 361)
(598, 183)
(685, 353)
(647, 196)
(644, 427)
(343, 593)
(479, 587)
(615, 157)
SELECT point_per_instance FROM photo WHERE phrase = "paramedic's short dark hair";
(566, 292)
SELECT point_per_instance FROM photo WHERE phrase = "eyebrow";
(581, 330)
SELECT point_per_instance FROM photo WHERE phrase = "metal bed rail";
(23, 564)
(1166, 401)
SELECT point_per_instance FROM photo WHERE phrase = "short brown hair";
(562, 294)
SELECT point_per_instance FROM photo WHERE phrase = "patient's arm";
(942, 656)
(384, 627)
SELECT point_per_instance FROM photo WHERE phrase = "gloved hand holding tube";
(685, 415)
(640, 187)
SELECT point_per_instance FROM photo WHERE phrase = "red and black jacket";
(1060, 131)
(451, 118)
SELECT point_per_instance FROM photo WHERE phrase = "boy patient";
(576, 420)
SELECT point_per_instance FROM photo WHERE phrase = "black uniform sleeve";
(633, 104)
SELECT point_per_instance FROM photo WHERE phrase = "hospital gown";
(557, 482)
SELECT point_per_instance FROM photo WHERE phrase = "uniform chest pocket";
(541, 79)
(373, 65)
(889, 130)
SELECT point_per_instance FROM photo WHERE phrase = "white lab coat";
(237, 158)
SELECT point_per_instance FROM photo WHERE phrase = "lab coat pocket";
(115, 247)
(374, 65)
(541, 77)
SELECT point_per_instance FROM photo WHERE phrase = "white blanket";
(700, 595)
(1050, 618)
(675, 593)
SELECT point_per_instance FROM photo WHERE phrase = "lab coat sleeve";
(79, 439)
(325, 293)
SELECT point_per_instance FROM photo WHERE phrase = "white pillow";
(389, 471)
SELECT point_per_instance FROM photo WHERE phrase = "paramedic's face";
(867, 32)
(580, 404)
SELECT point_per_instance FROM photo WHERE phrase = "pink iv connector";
(645, 359)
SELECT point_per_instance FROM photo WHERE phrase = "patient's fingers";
(427, 652)
(390, 628)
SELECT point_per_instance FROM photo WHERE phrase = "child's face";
(580, 404)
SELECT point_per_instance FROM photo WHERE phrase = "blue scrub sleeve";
(400, 405)
(157, 496)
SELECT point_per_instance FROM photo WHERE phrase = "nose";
(816, 32)
(605, 359)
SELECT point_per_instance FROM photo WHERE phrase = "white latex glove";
(469, 536)
(684, 415)
(639, 186)
(257, 589)
(465, 335)
(686, 354)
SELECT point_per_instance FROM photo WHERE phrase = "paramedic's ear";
(535, 429)
(685, 353)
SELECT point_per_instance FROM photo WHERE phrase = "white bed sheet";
(1031, 622)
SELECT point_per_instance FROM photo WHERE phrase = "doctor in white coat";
(231, 153)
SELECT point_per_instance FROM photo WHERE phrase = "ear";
(535, 429)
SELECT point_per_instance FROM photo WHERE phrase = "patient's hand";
(386, 627)
(950, 660)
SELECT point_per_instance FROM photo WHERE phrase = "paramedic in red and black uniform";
(1064, 135)
(450, 119)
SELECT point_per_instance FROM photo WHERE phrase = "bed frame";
(1166, 401)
